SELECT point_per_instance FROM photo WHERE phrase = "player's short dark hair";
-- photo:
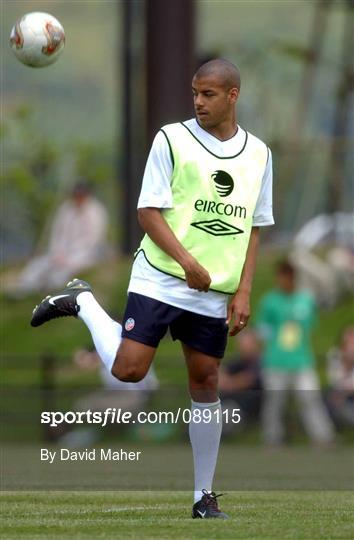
(226, 70)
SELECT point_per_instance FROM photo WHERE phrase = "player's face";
(213, 103)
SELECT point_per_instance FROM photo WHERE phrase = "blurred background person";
(329, 275)
(285, 319)
(340, 374)
(77, 241)
(240, 382)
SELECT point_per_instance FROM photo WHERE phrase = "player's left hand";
(238, 312)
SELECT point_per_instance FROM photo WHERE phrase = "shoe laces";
(66, 307)
(210, 499)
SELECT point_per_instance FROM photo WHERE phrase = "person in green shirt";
(285, 319)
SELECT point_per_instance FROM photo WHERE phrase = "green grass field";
(266, 515)
(296, 493)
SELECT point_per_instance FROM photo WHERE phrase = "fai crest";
(129, 324)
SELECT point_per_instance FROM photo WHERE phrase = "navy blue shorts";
(146, 320)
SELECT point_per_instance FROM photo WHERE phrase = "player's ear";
(233, 94)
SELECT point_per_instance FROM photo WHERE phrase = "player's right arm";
(153, 223)
(155, 195)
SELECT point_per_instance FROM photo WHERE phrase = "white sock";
(205, 440)
(105, 332)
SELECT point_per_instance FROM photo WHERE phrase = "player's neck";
(224, 131)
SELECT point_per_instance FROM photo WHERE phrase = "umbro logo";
(223, 182)
(217, 227)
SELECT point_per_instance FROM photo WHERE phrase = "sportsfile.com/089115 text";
(119, 416)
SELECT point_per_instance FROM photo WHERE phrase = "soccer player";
(207, 189)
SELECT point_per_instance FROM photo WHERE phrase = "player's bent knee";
(127, 372)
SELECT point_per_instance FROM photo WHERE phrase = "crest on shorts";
(129, 324)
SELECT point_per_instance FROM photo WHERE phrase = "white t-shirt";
(156, 193)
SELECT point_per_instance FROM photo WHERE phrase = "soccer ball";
(37, 39)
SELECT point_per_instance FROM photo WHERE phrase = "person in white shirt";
(207, 190)
(340, 373)
(77, 240)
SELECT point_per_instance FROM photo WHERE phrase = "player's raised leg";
(132, 361)
(126, 359)
(204, 430)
